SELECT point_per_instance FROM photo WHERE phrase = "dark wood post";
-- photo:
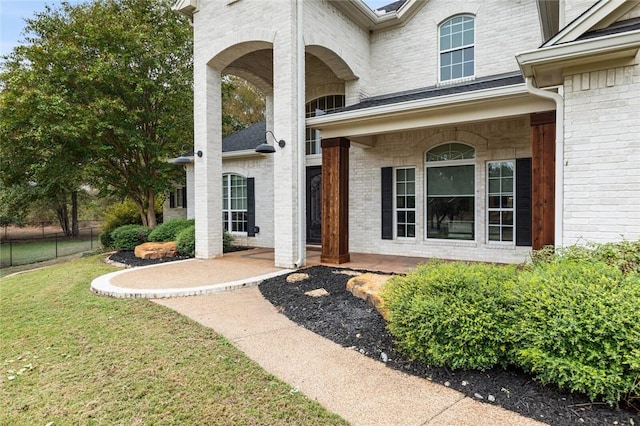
(335, 201)
(543, 173)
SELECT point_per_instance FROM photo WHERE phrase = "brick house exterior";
(472, 130)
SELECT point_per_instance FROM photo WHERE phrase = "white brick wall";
(602, 156)
(498, 140)
(407, 57)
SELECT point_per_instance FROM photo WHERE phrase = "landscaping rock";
(319, 292)
(156, 250)
(366, 287)
(297, 277)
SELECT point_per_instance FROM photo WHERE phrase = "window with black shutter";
(387, 202)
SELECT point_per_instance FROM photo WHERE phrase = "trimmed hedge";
(186, 241)
(127, 237)
(168, 230)
(578, 326)
(453, 314)
(571, 318)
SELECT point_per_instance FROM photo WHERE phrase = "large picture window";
(314, 108)
(450, 187)
(500, 201)
(405, 202)
(457, 51)
(234, 203)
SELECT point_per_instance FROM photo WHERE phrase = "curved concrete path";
(361, 390)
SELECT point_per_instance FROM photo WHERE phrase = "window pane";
(445, 59)
(400, 202)
(507, 185)
(468, 69)
(411, 231)
(507, 202)
(494, 218)
(494, 233)
(401, 216)
(456, 71)
(494, 186)
(411, 202)
(400, 174)
(467, 37)
(450, 218)
(400, 230)
(507, 233)
(401, 189)
(494, 202)
(507, 218)
(445, 74)
(445, 42)
(456, 39)
(451, 151)
(452, 180)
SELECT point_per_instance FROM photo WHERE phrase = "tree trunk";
(151, 210)
(75, 228)
(63, 218)
(143, 213)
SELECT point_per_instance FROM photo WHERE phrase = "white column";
(208, 168)
(286, 117)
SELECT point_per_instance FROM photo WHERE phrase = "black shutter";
(172, 199)
(387, 203)
(251, 207)
(523, 202)
(184, 197)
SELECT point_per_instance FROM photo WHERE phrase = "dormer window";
(457, 41)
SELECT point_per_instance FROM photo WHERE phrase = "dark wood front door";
(314, 205)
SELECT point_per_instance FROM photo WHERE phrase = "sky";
(13, 13)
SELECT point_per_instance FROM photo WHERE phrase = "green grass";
(70, 357)
(30, 251)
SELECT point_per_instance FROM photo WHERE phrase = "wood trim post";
(335, 201)
(543, 166)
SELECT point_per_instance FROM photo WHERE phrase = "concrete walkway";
(361, 390)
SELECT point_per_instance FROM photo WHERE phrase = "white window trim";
(439, 53)
(229, 222)
(395, 201)
(487, 210)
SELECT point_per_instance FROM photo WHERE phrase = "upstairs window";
(457, 40)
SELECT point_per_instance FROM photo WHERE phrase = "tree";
(100, 94)
(242, 104)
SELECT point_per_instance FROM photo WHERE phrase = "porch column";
(543, 163)
(207, 188)
(287, 121)
(335, 201)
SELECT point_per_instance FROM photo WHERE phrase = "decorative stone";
(366, 287)
(347, 272)
(299, 276)
(156, 250)
(318, 292)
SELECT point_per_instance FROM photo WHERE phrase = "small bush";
(578, 326)
(452, 314)
(117, 215)
(127, 237)
(625, 255)
(169, 230)
(186, 241)
(227, 242)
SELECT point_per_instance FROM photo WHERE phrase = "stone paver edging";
(102, 285)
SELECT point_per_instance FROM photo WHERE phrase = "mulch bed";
(354, 324)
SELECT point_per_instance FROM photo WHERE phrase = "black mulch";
(354, 324)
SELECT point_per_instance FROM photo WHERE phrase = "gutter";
(302, 248)
(559, 183)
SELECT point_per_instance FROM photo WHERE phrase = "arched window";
(317, 107)
(457, 41)
(450, 186)
(234, 203)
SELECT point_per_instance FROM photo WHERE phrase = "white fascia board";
(481, 105)
(604, 11)
(611, 47)
(245, 153)
(186, 7)
(417, 105)
(367, 18)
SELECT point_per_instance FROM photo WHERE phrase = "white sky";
(13, 13)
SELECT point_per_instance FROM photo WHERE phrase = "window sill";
(456, 81)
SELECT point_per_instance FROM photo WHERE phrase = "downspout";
(558, 98)
(302, 248)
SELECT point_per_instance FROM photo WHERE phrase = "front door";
(314, 205)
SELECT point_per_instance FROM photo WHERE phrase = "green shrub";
(169, 230)
(578, 326)
(115, 216)
(186, 241)
(127, 237)
(625, 255)
(452, 314)
(227, 241)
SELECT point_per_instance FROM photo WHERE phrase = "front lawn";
(71, 357)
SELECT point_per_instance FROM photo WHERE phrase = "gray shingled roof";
(245, 139)
(393, 7)
(490, 82)
(615, 28)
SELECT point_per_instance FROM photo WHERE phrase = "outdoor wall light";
(265, 148)
(185, 158)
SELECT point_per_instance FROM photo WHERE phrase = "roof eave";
(361, 14)
(242, 154)
(548, 65)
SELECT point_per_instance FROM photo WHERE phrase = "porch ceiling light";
(265, 148)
